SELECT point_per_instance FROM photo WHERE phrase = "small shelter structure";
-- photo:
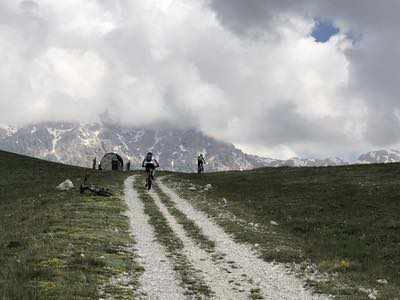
(112, 162)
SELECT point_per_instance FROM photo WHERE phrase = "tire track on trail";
(272, 280)
(242, 286)
(191, 279)
(158, 280)
(219, 281)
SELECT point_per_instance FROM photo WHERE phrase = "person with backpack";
(200, 163)
(150, 163)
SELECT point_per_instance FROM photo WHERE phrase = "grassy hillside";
(346, 220)
(61, 245)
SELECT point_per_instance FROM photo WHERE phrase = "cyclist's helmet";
(149, 156)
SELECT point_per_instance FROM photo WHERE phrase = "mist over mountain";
(78, 144)
(176, 149)
(254, 73)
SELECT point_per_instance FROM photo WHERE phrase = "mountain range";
(176, 149)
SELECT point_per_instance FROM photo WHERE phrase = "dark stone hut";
(112, 161)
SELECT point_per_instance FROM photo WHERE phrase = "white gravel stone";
(382, 281)
(65, 185)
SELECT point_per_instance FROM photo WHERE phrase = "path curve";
(158, 280)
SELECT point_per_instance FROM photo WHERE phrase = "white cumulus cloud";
(249, 74)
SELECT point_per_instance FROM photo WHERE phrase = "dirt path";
(272, 280)
(158, 280)
(215, 277)
(230, 270)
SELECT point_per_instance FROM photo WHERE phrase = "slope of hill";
(60, 245)
(346, 220)
(340, 224)
(64, 245)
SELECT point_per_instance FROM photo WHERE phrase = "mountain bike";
(200, 168)
(149, 179)
(150, 170)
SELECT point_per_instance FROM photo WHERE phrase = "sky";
(278, 78)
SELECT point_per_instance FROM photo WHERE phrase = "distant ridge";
(380, 157)
(77, 144)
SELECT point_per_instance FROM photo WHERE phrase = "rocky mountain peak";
(176, 149)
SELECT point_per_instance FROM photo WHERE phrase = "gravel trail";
(273, 280)
(158, 280)
(215, 278)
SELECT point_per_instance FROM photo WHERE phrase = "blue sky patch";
(323, 31)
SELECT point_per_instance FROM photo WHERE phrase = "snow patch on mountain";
(89, 135)
(7, 130)
(78, 144)
(176, 149)
(380, 157)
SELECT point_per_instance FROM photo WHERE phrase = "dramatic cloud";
(369, 97)
(249, 72)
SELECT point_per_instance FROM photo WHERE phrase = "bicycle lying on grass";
(93, 189)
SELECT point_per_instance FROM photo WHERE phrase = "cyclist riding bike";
(150, 164)
(200, 163)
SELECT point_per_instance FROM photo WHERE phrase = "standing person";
(94, 163)
(150, 163)
(200, 163)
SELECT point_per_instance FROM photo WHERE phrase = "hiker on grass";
(200, 163)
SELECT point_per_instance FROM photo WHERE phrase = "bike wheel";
(149, 183)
